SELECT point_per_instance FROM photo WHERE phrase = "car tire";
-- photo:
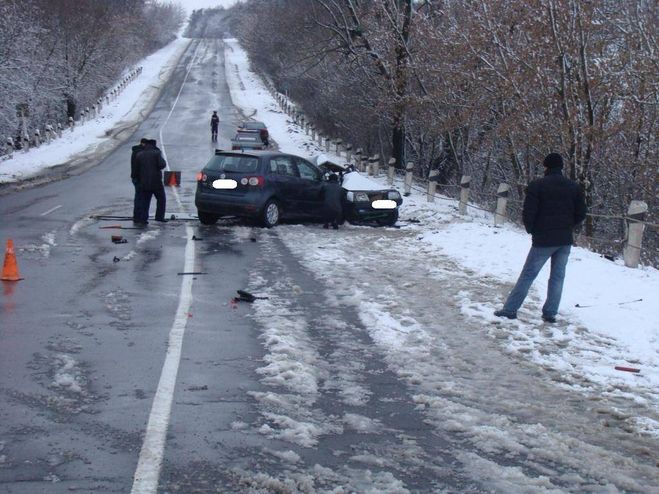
(271, 214)
(207, 218)
(389, 220)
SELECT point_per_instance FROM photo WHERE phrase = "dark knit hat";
(553, 160)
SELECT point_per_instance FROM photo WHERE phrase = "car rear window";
(233, 163)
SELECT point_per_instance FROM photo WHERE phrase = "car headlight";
(361, 197)
(350, 196)
(393, 195)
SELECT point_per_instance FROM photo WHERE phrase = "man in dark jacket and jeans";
(553, 206)
(149, 164)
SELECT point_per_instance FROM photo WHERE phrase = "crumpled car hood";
(356, 181)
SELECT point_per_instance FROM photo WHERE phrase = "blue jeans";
(537, 258)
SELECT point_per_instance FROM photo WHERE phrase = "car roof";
(257, 153)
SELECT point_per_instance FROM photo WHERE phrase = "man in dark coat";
(332, 205)
(134, 175)
(150, 163)
(553, 207)
(215, 121)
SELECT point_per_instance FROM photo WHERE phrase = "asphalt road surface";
(119, 372)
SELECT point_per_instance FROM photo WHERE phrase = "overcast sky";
(190, 5)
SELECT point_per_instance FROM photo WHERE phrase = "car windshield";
(233, 163)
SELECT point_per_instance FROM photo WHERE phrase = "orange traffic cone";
(10, 268)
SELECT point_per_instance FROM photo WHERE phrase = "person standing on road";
(332, 205)
(554, 205)
(215, 122)
(134, 174)
(150, 163)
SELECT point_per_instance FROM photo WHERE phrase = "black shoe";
(549, 319)
(336, 227)
(501, 313)
(140, 223)
(162, 220)
(326, 226)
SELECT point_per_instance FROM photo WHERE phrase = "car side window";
(307, 170)
(283, 165)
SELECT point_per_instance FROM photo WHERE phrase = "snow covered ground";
(617, 323)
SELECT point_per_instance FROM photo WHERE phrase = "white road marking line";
(153, 448)
(149, 463)
(50, 210)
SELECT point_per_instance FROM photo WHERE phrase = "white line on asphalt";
(50, 210)
(147, 472)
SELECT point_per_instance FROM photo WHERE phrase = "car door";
(311, 188)
(285, 181)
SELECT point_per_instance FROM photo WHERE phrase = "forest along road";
(358, 373)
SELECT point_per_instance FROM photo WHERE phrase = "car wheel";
(271, 213)
(389, 220)
(207, 218)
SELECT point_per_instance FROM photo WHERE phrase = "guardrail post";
(409, 170)
(348, 152)
(502, 203)
(433, 176)
(635, 227)
(375, 167)
(26, 142)
(37, 138)
(364, 165)
(338, 146)
(72, 123)
(392, 170)
(313, 132)
(59, 129)
(464, 193)
(328, 141)
(10, 143)
(49, 131)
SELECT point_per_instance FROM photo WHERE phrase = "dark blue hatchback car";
(262, 185)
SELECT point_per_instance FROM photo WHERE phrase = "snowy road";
(378, 381)
(373, 365)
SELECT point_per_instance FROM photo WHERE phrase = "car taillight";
(256, 181)
(201, 176)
